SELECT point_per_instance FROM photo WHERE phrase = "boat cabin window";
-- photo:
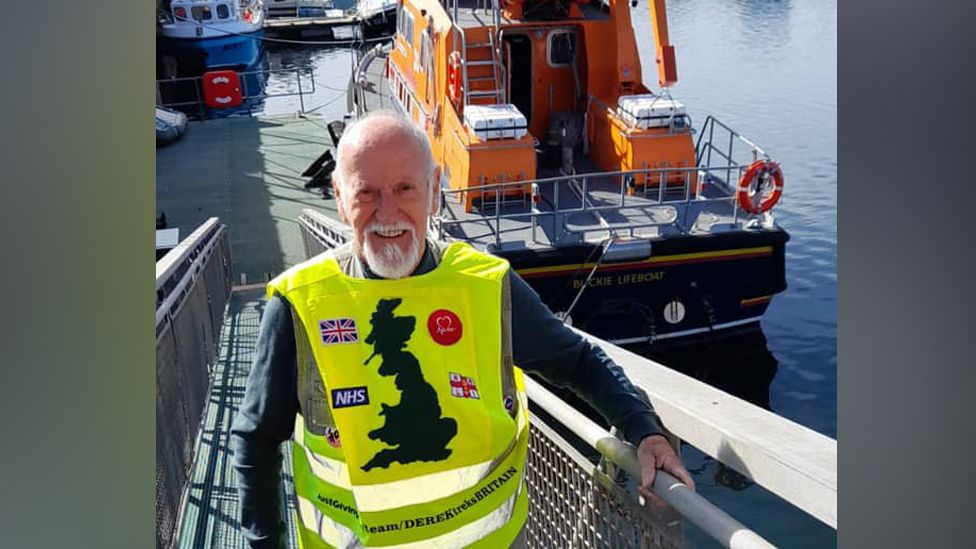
(222, 11)
(405, 25)
(562, 48)
(201, 13)
(421, 62)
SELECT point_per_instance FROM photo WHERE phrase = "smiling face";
(383, 193)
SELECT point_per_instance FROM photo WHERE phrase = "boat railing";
(579, 190)
(727, 148)
(722, 156)
(193, 285)
(494, 39)
(303, 85)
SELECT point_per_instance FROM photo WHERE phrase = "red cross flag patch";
(462, 386)
(336, 331)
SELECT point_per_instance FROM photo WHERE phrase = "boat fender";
(758, 169)
(454, 83)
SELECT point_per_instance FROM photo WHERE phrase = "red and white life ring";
(454, 83)
(756, 170)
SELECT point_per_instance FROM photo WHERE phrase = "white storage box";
(648, 110)
(495, 121)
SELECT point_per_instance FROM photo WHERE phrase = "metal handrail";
(709, 126)
(498, 70)
(704, 514)
(498, 190)
(180, 266)
(198, 80)
(330, 232)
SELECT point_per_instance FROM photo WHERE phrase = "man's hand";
(655, 453)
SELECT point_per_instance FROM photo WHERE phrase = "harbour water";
(768, 69)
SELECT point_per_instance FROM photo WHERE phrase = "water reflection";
(738, 363)
(178, 72)
(773, 11)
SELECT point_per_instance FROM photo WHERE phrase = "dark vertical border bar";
(906, 303)
(76, 223)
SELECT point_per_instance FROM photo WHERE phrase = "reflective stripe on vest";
(419, 428)
(471, 535)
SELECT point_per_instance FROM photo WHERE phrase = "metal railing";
(321, 233)
(658, 191)
(193, 86)
(192, 288)
(579, 187)
(494, 43)
(712, 520)
(731, 157)
(788, 459)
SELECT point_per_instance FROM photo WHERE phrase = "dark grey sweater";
(541, 344)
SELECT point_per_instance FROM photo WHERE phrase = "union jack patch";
(462, 386)
(337, 331)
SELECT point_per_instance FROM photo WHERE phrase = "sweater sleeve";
(266, 419)
(542, 344)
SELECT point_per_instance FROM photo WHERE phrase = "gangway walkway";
(211, 515)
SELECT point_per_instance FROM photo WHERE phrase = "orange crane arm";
(667, 72)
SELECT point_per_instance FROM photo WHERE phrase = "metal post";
(735, 208)
(686, 224)
(660, 187)
(196, 88)
(534, 211)
(301, 96)
(711, 134)
(583, 196)
(728, 158)
(623, 189)
(247, 101)
(498, 215)
(555, 212)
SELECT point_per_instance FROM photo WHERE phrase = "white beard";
(390, 261)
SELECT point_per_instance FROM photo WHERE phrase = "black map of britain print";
(413, 428)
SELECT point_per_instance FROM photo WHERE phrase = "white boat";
(226, 32)
(308, 8)
(210, 19)
(378, 17)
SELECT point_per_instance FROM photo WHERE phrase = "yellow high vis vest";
(414, 425)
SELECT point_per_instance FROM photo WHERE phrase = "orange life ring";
(746, 181)
(454, 83)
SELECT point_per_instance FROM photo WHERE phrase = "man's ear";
(435, 192)
(340, 205)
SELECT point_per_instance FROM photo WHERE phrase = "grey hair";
(400, 122)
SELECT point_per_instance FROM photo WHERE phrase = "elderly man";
(390, 360)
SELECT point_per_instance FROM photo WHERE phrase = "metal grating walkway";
(210, 515)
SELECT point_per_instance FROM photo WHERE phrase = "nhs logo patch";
(352, 396)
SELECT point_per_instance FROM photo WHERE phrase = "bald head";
(375, 133)
(383, 181)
